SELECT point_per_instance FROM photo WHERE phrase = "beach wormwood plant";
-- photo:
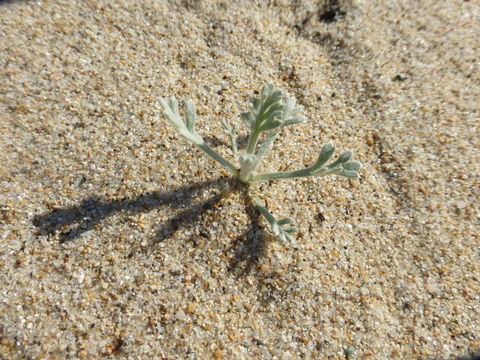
(268, 114)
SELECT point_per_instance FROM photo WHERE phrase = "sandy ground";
(118, 239)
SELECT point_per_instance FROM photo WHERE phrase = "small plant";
(268, 114)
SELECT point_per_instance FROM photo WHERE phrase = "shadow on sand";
(71, 222)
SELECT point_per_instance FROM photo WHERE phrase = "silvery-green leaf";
(190, 115)
(280, 227)
(169, 112)
(272, 125)
(290, 229)
(170, 108)
(295, 120)
(247, 118)
(341, 159)
(285, 221)
(349, 174)
(255, 103)
(226, 126)
(173, 104)
(276, 229)
(325, 154)
(273, 111)
(352, 165)
(272, 98)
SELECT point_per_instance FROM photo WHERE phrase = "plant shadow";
(72, 222)
(251, 246)
(10, 2)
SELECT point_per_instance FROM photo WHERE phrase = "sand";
(119, 239)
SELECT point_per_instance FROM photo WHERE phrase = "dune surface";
(119, 239)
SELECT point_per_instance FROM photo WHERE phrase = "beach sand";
(120, 240)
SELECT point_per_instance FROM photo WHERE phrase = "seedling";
(268, 114)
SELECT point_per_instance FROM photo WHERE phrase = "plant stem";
(263, 210)
(267, 143)
(227, 164)
(252, 141)
(233, 139)
(284, 175)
